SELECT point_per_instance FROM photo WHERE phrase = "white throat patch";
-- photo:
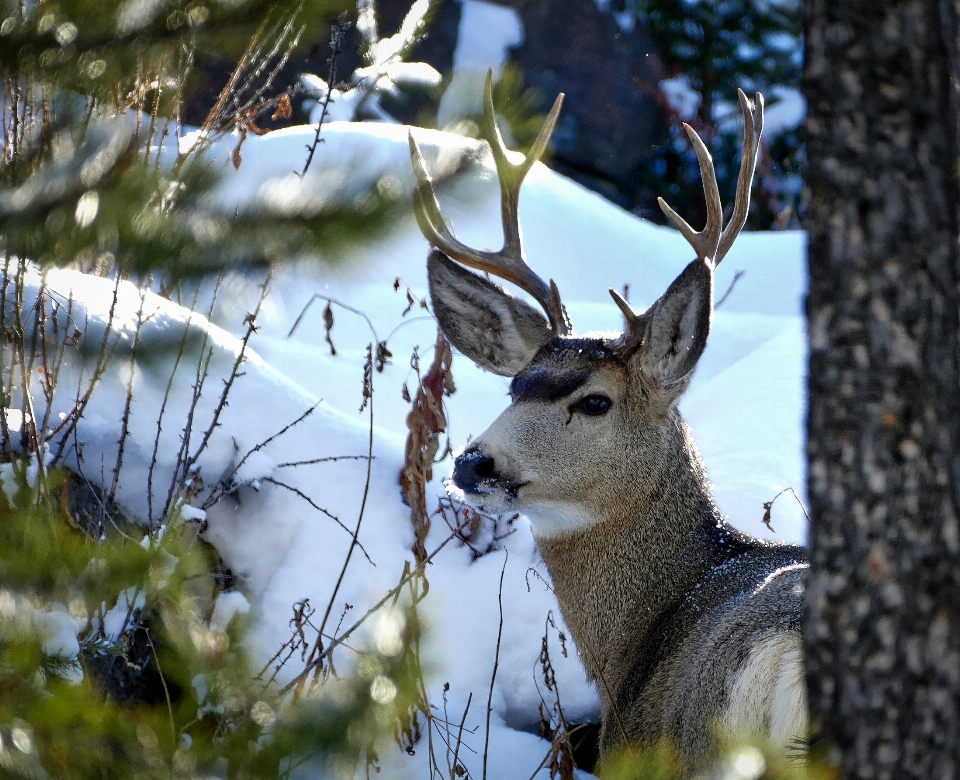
(550, 519)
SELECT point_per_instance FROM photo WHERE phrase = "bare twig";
(103, 358)
(345, 307)
(128, 401)
(181, 471)
(456, 752)
(256, 448)
(331, 459)
(368, 396)
(299, 493)
(301, 617)
(251, 322)
(733, 283)
(768, 506)
(337, 33)
(202, 370)
(408, 574)
(181, 348)
(496, 664)
(166, 691)
(285, 34)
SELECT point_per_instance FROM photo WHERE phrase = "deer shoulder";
(688, 627)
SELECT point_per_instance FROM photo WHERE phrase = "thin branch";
(336, 49)
(166, 691)
(269, 439)
(128, 401)
(331, 459)
(733, 283)
(320, 509)
(768, 506)
(181, 349)
(391, 594)
(100, 367)
(318, 296)
(363, 506)
(456, 752)
(496, 664)
(176, 480)
(251, 320)
(203, 369)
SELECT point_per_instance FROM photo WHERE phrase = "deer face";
(571, 398)
(586, 413)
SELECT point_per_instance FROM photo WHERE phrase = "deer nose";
(472, 468)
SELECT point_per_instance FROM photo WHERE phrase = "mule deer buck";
(688, 627)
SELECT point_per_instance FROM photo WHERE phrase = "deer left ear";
(495, 330)
(678, 324)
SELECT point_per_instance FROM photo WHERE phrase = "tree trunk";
(883, 626)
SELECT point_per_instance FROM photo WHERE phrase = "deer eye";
(593, 405)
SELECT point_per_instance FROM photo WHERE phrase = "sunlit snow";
(745, 407)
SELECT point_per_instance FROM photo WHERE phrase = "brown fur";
(665, 600)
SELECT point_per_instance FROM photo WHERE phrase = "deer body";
(688, 627)
(685, 624)
(669, 638)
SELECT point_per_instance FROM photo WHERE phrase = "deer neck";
(650, 542)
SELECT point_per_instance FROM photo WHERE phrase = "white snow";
(681, 97)
(56, 629)
(59, 633)
(347, 165)
(485, 34)
(116, 619)
(626, 18)
(188, 512)
(786, 109)
(745, 407)
(8, 482)
(227, 606)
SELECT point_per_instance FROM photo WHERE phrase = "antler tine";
(629, 315)
(634, 325)
(508, 263)
(427, 209)
(752, 128)
(511, 175)
(706, 242)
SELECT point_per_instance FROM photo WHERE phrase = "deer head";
(593, 423)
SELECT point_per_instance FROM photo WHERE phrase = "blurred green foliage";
(203, 709)
(149, 684)
(91, 92)
(720, 46)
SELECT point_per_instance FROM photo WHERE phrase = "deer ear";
(677, 328)
(495, 330)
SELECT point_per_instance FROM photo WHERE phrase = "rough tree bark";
(883, 629)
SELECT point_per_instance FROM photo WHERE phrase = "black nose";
(470, 469)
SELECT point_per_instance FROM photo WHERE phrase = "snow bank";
(744, 406)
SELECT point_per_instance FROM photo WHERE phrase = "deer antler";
(711, 242)
(508, 263)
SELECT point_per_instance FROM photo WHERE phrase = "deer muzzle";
(473, 472)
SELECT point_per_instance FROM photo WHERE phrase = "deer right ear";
(495, 330)
(677, 326)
